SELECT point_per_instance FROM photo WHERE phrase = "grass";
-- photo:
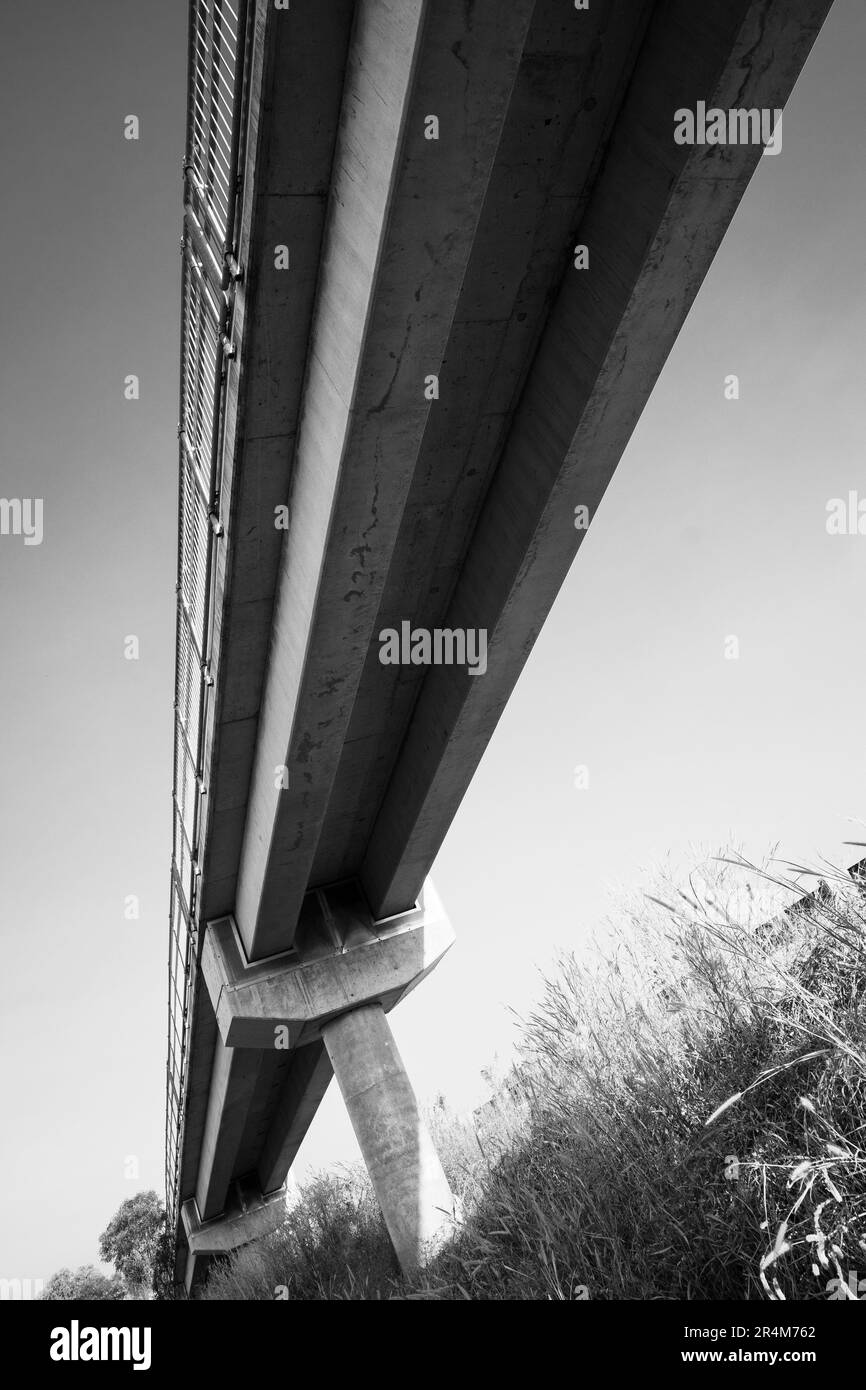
(685, 1121)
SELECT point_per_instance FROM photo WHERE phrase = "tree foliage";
(85, 1282)
(131, 1239)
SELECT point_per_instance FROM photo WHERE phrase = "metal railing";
(216, 99)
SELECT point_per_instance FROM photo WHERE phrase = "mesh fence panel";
(214, 98)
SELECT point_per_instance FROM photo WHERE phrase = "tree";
(164, 1288)
(131, 1240)
(84, 1282)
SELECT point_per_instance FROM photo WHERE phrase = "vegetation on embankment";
(687, 1120)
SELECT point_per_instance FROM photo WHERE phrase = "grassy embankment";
(687, 1120)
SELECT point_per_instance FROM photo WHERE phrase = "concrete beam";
(308, 1079)
(232, 1087)
(295, 81)
(574, 70)
(653, 225)
(253, 1119)
(403, 217)
(296, 72)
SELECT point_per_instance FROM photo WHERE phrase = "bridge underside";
(431, 388)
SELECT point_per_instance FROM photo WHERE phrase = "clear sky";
(714, 526)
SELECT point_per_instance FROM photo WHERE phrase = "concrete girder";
(653, 225)
(232, 1086)
(296, 77)
(402, 222)
(308, 1079)
(573, 73)
(295, 92)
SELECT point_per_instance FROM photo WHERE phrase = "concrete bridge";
(435, 253)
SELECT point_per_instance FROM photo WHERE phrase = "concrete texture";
(250, 1217)
(269, 1067)
(404, 1167)
(654, 219)
(402, 224)
(288, 999)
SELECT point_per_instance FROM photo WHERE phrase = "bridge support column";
(398, 1150)
(330, 993)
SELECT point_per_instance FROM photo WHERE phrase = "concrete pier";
(283, 1024)
(398, 1150)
